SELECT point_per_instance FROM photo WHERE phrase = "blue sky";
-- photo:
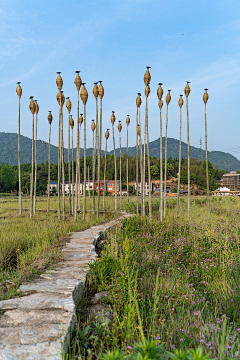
(114, 41)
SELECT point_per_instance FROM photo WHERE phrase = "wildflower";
(129, 347)
(157, 337)
(202, 341)
(229, 346)
(181, 340)
(196, 313)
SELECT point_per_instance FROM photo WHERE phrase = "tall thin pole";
(35, 179)
(62, 154)
(32, 109)
(88, 184)
(93, 127)
(19, 93)
(137, 163)
(160, 104)
(187, 92)
(168, 99)
(69, 106)
(84, 97)
(101, 94)
(127, 122)
(180, 103)
(147, 79)
(95, 93)
(78, 83)
(105, 168)
(72, 125)
(141, 161)
(59, 83)
(113, 118)
(49, 159)
(120, 165)
(205, 99)
(79, 151)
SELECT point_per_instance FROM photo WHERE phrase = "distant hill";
(9, 152)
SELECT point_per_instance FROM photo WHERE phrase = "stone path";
(35, 326)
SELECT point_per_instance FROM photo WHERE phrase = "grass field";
(28, 247)
(176, 284)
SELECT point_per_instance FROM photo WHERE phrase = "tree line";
(9, 173)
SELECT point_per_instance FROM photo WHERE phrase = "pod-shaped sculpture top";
(113, 118)
(107, 134)
(138, 130)
(81, 119)
(32, 105)
(138, 100)
(68, 105)
(59, 81)
(147, 90)
(160, 91)
(119, 126)
(93, 127)
(205, 96)
(84, 94)
(95, 90)
(180, 101)
(147, 76)
(128, 120)
(187, 89)
(168, 97)
(78, 81)
(36, 107)
(50, 117)
(100, 90)
(19, 90)
(71, 122)
(160, 104)
(60, 96)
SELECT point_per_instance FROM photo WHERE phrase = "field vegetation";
(170, 287)
(28, 247)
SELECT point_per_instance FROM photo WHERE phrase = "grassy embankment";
(176, 284)
(28, 247)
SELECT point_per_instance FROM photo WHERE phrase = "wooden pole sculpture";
(79, 150)
(93, 127)
(88, 184)
(35, 178)
(120, 175)
(101, 94)
(78, 83)
(49, 158)
(168, 99)
(19, 93)
(141, 165)
(180, 103)
(113, 118)
(95, 93)
(138, 103)
(69, 106)
(127, 122)
(71, 121)
(62, 155)
(160, 104)
(187, 92)
(205, 100)
(32, 109)
(105, 168)
(84, 97)
(59, 83)
(147, 79)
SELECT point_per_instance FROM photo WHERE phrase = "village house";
(231, 180)
(101, 186)
(224, 191)
(111, 186)
(146, 187)
(54, 187)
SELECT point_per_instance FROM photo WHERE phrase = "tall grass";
(175, 283)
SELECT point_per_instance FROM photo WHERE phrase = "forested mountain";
(8, 152)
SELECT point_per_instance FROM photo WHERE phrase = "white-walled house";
(146, 187)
